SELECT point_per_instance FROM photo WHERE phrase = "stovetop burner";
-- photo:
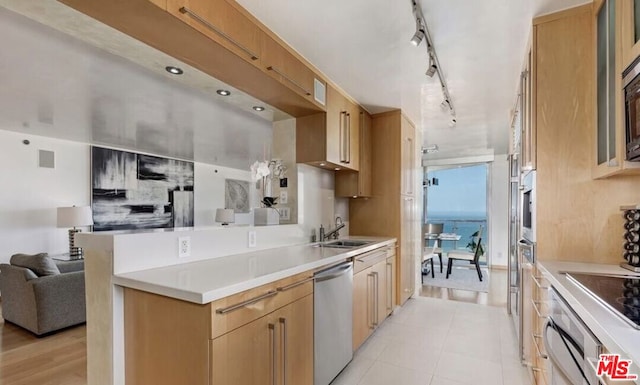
(621, 293)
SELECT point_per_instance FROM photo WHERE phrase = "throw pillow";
(41, 263)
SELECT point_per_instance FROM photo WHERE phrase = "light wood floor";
(58, 359)
(497, 295)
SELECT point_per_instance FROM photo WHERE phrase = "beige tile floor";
(434, 341)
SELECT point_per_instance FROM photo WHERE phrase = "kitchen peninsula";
(160, 290)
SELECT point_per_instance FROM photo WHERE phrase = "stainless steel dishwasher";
(333, 321)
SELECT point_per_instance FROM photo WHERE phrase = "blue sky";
(460, 189)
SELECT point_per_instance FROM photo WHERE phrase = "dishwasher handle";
(334, 272)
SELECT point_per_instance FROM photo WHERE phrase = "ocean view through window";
(457, 198)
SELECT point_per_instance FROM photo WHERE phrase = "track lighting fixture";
(422, 32)
(417, 37)
(453, 122)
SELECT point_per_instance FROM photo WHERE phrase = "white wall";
(499, 211)
(31, 194)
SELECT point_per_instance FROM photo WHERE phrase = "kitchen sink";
(346, 244)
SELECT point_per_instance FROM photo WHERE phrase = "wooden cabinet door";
(406, 260)
(247, 355)
(336, 126)
(408, 157)
(295, 342)
(278, 62)
(365, 167)
(362, 306)
(353, 134)
(223, 23)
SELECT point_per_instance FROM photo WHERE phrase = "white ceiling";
(363, 46)
(56, 85)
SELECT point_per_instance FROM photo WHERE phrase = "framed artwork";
(236, 195)
(135, 191)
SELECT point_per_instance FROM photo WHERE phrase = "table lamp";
(75, 216)
(225, 216)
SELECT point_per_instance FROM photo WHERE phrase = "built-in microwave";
(528, 201)
(631, 81)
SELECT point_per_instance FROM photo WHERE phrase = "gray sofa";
(42, 295)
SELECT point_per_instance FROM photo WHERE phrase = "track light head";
(431, 70)
(417, 37)
(445, 105)
(453, 122)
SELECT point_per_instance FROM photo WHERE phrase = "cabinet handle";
(295, 284)
(535, 338)
(242, 304)
(272, 332)
(537, 309)
(287, 78)
(203, 21)
(390, 286)
(283, 325)
(348, 139)
(536, 280)
(375, 298)
(342, 135)
(372, 325)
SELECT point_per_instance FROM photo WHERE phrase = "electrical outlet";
(251, 239)
(184, 247)
(284, 197)
(285, 213)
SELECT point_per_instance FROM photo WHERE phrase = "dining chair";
(434, 230)
(428, 257)
(471, 257)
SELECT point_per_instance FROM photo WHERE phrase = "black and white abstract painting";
(135, 191)
(236, 195)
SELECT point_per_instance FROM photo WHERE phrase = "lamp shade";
(75, 216)
(225, 216)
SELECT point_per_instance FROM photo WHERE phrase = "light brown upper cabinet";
(630, 30)
(223, 23)
(223, 40)
(610, 137)
(280, 64)
(330, 140)
(358, 184)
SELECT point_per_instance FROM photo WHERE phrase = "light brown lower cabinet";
(373, 292)
(257, 337)
(274, 349)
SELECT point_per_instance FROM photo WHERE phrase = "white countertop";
(208, 280)
(614, 333)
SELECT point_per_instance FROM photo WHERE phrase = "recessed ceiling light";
(174, 70)
(258, 108)
(223, 92)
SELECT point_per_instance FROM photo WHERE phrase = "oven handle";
(551, 354)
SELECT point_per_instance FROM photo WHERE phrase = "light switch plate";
(284, 197)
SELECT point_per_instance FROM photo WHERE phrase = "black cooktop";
(621, 293)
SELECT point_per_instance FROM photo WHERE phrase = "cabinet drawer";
(368, 259)
(239, 309)
(223, 23)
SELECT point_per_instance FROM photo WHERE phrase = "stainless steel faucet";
(335, 232)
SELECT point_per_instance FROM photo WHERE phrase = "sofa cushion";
(41, 263)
